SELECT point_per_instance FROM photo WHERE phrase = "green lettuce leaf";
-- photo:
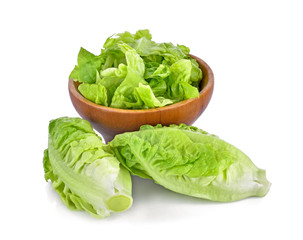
(158, 87)
(87, 66)
(124, 96)
(143, 33)
(190, 161)
(158, 71)
(145, 95)
(83, 170)
(196, 73)
(184, 49)
(94, 92)
(119, 72)
(113, 40)
(179, 87)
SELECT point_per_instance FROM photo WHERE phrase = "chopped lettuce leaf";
(149, 100)
(96, 93)
(178, 83)
(128, 60)
(87, 66)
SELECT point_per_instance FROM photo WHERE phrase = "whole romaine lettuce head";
(83, 170)
(190, 161)
(134, 72)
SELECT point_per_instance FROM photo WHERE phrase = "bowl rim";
(75, 92)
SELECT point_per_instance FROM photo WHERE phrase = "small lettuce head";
(84, 171)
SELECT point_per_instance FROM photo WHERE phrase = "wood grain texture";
(111, 121)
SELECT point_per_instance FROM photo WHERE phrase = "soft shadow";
(147, 190)
(156, 203)
(151, 202)
(56, 203)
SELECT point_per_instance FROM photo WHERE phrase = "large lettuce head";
(190, 161)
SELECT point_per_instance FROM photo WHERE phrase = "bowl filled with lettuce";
(135, 81)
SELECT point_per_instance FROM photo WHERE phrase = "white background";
(255, 51)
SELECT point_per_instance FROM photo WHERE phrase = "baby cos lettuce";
(83, 170)
(90, 176)
(190, 161)
(134, 72)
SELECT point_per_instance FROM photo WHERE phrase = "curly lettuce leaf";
(196, 74)
(158, 87)
(145, 94)
(190, 161)
(143, 33)
(179, 87)
(184, 49)
(83, 170)
(96, 93)
(157, 71)
(112, 49)
(87, 66)
(124, 96)
(119, 72)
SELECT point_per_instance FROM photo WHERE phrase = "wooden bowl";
(111, 121)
